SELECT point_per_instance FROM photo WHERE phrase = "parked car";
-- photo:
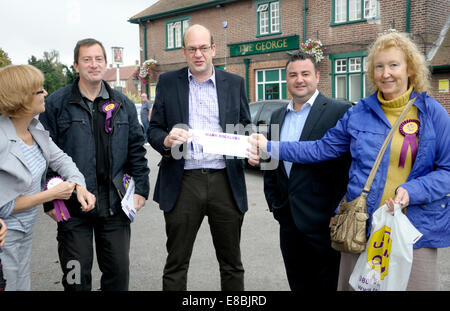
(261, 112)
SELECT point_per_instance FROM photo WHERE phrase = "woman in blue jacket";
(415, 169)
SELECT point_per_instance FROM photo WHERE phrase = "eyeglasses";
(41, 91)
(203, 49)
(87, 60)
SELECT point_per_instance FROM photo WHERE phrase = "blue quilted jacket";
(362, 131)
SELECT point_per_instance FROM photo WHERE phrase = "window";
(349, 76)
(350, 11)
(270, 84)
(268, 15)
(174, 33)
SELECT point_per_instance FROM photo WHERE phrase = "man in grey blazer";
(303, 197)
(193, 185)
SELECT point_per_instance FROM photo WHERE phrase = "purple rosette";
(109, 108)
(60, 208)
(410, 129)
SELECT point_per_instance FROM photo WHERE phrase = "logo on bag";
(379, 251)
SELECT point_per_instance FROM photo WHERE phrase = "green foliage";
(56, 74)
(4, 59)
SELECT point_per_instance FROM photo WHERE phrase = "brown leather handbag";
(348, 231)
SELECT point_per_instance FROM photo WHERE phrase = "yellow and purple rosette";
(109, 108)
(410, 129)
(60, 207)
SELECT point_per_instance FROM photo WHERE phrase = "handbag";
(348, 231)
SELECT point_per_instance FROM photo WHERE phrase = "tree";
(56, 74)
(4, 59)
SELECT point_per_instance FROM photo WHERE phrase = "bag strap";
(373, 172)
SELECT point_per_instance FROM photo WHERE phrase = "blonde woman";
(26, 152)
(415, 170)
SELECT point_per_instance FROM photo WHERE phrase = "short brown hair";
(86, 42)
(17, 84)
(415, 60)
(300, 55)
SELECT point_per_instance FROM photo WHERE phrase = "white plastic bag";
(385, 265)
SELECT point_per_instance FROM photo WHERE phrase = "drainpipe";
(304, 20)
(247, 64)
(143, 24)
(408, 15)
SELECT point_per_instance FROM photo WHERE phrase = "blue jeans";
(146, 124)
(16, 258)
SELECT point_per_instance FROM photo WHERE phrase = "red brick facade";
(426, 20)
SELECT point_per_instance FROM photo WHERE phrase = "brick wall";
(427, 18)
(443, 98)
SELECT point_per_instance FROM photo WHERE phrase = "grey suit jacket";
(15, 176)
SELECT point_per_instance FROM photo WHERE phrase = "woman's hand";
(62, 191)
(401, 198)
(3, 230)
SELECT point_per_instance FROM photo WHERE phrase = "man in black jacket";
(198, 184)
(98, 127)
(303, 197)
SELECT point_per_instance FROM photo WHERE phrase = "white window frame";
(370, 8)
(354, 64)
(264, 82)
(174, 33)
(340, 11)
(275, 17)
(341, 65)
(264, 20)
(269, 21)
(354, 10)
(344, 69)
(343, 14)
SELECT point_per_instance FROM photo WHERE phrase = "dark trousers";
(311, 264)
(204, 194)
(2, 280)
(112, 243)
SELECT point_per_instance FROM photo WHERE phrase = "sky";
(32, 27)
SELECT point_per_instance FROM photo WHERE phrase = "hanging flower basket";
(146, 71)
(314, 48)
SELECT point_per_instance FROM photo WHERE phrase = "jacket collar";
(76, 96)
(221, 84)
(373, 103)
(40, 135)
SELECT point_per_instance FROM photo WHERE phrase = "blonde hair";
(415, 60)
(17, 84)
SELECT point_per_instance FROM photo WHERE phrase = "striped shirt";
(203, 115)
(24, 220)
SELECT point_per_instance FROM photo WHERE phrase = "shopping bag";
(385, 265)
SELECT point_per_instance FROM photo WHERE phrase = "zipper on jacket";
(92, 132)
(109, 154)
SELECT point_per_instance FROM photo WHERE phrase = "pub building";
(253, 39)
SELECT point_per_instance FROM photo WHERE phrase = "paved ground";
(260, 251)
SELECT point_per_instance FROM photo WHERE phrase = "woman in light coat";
(26, 152)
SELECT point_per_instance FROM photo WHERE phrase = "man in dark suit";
(192, 184)
(303, 197)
